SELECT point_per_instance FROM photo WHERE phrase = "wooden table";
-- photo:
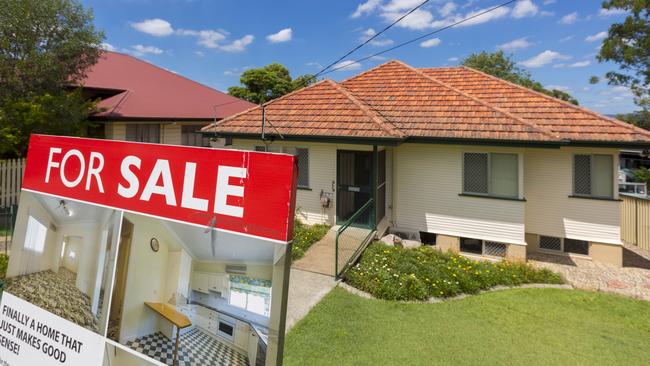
(170, 313)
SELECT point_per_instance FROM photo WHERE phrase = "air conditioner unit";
(239, 269)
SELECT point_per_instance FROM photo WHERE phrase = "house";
(452, 156)
(145, 103)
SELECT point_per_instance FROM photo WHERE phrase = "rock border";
(436, 300)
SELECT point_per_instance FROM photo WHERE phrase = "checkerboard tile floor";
(196, 349)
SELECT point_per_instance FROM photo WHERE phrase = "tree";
(46, 46)
(642, 175)
(266, 83)
(504, 67)
(628, 45)
(640, 118)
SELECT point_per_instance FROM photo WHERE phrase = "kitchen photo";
(192, 295)
(63, 256)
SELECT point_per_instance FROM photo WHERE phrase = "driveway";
(306, 289)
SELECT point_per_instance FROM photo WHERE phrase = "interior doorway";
(121, 271)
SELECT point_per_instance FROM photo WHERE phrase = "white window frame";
(614, 193)
(520, 174)
(36, 235)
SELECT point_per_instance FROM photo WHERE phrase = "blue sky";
(214, 41)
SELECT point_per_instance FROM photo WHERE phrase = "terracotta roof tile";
(395, 100)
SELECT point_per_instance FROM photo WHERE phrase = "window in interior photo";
(491, 174)
(593, 175)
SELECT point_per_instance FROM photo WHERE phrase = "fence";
(635, 221)
(11, 179)
(352, 240)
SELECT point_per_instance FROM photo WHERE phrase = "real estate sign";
(132, 253)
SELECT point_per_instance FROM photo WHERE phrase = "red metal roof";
(442, 103)
(146, 91)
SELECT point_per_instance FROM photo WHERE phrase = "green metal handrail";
(341, 229)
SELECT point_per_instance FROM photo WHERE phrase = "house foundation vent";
(495, 249)
(550, 243)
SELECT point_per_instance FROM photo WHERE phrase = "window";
(593, 175)
(303, 160)
(250, 294)
(565, 245)
(192, 136)
(143, 132)
(491, 174)
(427, 238)
(471, 245)
(483, 247)
(35, 238)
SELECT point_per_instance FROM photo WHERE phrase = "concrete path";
(306, 289)
(632, 280)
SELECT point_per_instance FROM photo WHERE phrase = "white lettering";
(95, 170)
(131, 178)
(50, 163)
(188, 200)
(82, 167)
(224, 189)
(166, 189)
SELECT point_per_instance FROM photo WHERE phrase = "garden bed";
(304, 236)
(394, 273)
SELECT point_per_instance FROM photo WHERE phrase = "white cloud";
(524, 8)
(430, 43)
(140, 50)
(199, 53)
(597, 37)
(484, 18)
(447, 9)
(611, 12)
(581, 64)
(546, 13)
(284, 35)
(558, 87)
(237, 70)
(566, 39)
(377, 42)
(417, 20)
(107, 47)
(366, 8)
(549, 2)
(400, 5)
(453, 59)
(155, 27)
(569, 18)
(315, 64)
(544, 58)
(347, 65)
(516, 44)
(238, 45)
(207, 38)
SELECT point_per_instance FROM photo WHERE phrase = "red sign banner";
(247, 192)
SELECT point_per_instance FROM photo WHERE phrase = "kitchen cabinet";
(205, 282)
(242, 332)
(200, 282)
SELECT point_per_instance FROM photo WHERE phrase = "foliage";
(56, 114)
(394, 273)
(639, 118)
(628, 45)
(266, 83)
(511, 327)
(45, 47)
(4, 262)
(504, 67)
(642, 175)
(304, 236)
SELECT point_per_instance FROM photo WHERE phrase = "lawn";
(515, 326)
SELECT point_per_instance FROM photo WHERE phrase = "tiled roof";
(139, 90)
(397, 101)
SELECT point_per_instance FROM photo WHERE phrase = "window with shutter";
(493, 174)
(475, 170)
(593, 175)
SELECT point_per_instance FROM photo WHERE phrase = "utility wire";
(370, 39)
(422, 36)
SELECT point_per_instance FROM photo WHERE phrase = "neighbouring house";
(451, 156)
(146, 103)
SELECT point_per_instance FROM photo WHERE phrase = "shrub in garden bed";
(304, 236)
(394, 273)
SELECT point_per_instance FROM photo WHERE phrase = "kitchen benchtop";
(261, 330)
(170, 313)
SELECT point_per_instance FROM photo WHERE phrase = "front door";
(354, 177)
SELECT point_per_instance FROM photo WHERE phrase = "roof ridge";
(377, 117)
(480, 101)
(369, 70)
(571, 105)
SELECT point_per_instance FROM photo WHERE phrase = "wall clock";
(155, 245)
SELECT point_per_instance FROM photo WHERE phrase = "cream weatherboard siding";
(427, 182)
(549, 209)
(115, 130)
(170, 134)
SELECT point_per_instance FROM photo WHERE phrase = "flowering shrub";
(394, 273)
(304, 236)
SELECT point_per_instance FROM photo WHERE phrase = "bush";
(394, 273)
(304, 236)
(4, 262)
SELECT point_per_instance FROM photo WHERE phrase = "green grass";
(395, 273)
(304, 236)
(509, 327)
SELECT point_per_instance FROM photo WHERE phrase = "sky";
(213, 41)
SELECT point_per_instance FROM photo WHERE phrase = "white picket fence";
(11, 179)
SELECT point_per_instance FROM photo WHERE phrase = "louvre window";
(491, 174)
(303, 160)
(143, 132)
(192, 136)
(593, 175)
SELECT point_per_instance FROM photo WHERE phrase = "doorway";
(121, 271)
(354, 177)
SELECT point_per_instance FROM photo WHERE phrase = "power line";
(423, 36)
(371, 38)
